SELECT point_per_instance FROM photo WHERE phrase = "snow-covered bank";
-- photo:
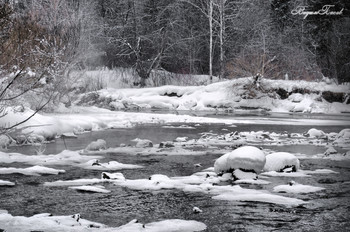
(43, 127)
(269, 95)
(74, 223)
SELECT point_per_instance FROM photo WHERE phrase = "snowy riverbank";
(238, 94)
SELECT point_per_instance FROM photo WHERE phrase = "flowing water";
(327, 210)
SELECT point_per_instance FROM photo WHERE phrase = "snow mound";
(32, 171)
(111, 165)
(142, 143)
(281, 161)
(296, 188)
(246, 158)
(94, 189)
(97, 145)
(345, 134)
(112, 176)
(6, 183)
(315, 133)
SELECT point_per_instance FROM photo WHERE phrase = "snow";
(280, 160)
(315, 133)
(66, 157)
(142, 143)
(34, 171)
(112, 176)
(227, 94)
(97, 145)
(6, 183)
(296, 188)
(74, 223)
(95, 164)
(95, 189)
(246, 157)
(236, 193)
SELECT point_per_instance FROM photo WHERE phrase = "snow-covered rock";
(315, 133)
(330, 151)
(345, 134)
(280, 161)
(246, 158)
(97, 145)
(112, 176)
(143, 143)
(5, 141)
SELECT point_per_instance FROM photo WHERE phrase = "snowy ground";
(268, 95)
(234, 166)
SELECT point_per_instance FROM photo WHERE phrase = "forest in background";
(225, 38)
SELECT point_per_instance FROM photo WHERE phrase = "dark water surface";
(327, 210)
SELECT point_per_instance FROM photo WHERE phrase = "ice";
(88, 188)
(6, 183)
(97, 145)
(66, 157)
(75, 182)
(236, 193)
(74, 223)
(95, 164)
(296, 188)
(280, 160)
(244, 158)
(34, 171)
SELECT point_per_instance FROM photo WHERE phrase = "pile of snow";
(112, 176)
(142, 143)
(33, 171)
(281, 162)
(88, 188)
(315, 133)
(296, 188)
(47, 222)
(95, 164)
(97, 145)
(66, 157)
(246, 158)
(6, 183)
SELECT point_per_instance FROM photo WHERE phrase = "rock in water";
(247, 158)
(281, 162)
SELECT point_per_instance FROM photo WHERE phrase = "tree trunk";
(211, 40)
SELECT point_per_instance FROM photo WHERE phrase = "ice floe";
(94, 189)
(33, 171)
(296, 188)
(6, 183)
(95, 164)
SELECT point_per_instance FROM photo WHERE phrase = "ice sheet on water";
(296, 188)
(89, 188)
(6, 183)
(32, 171)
